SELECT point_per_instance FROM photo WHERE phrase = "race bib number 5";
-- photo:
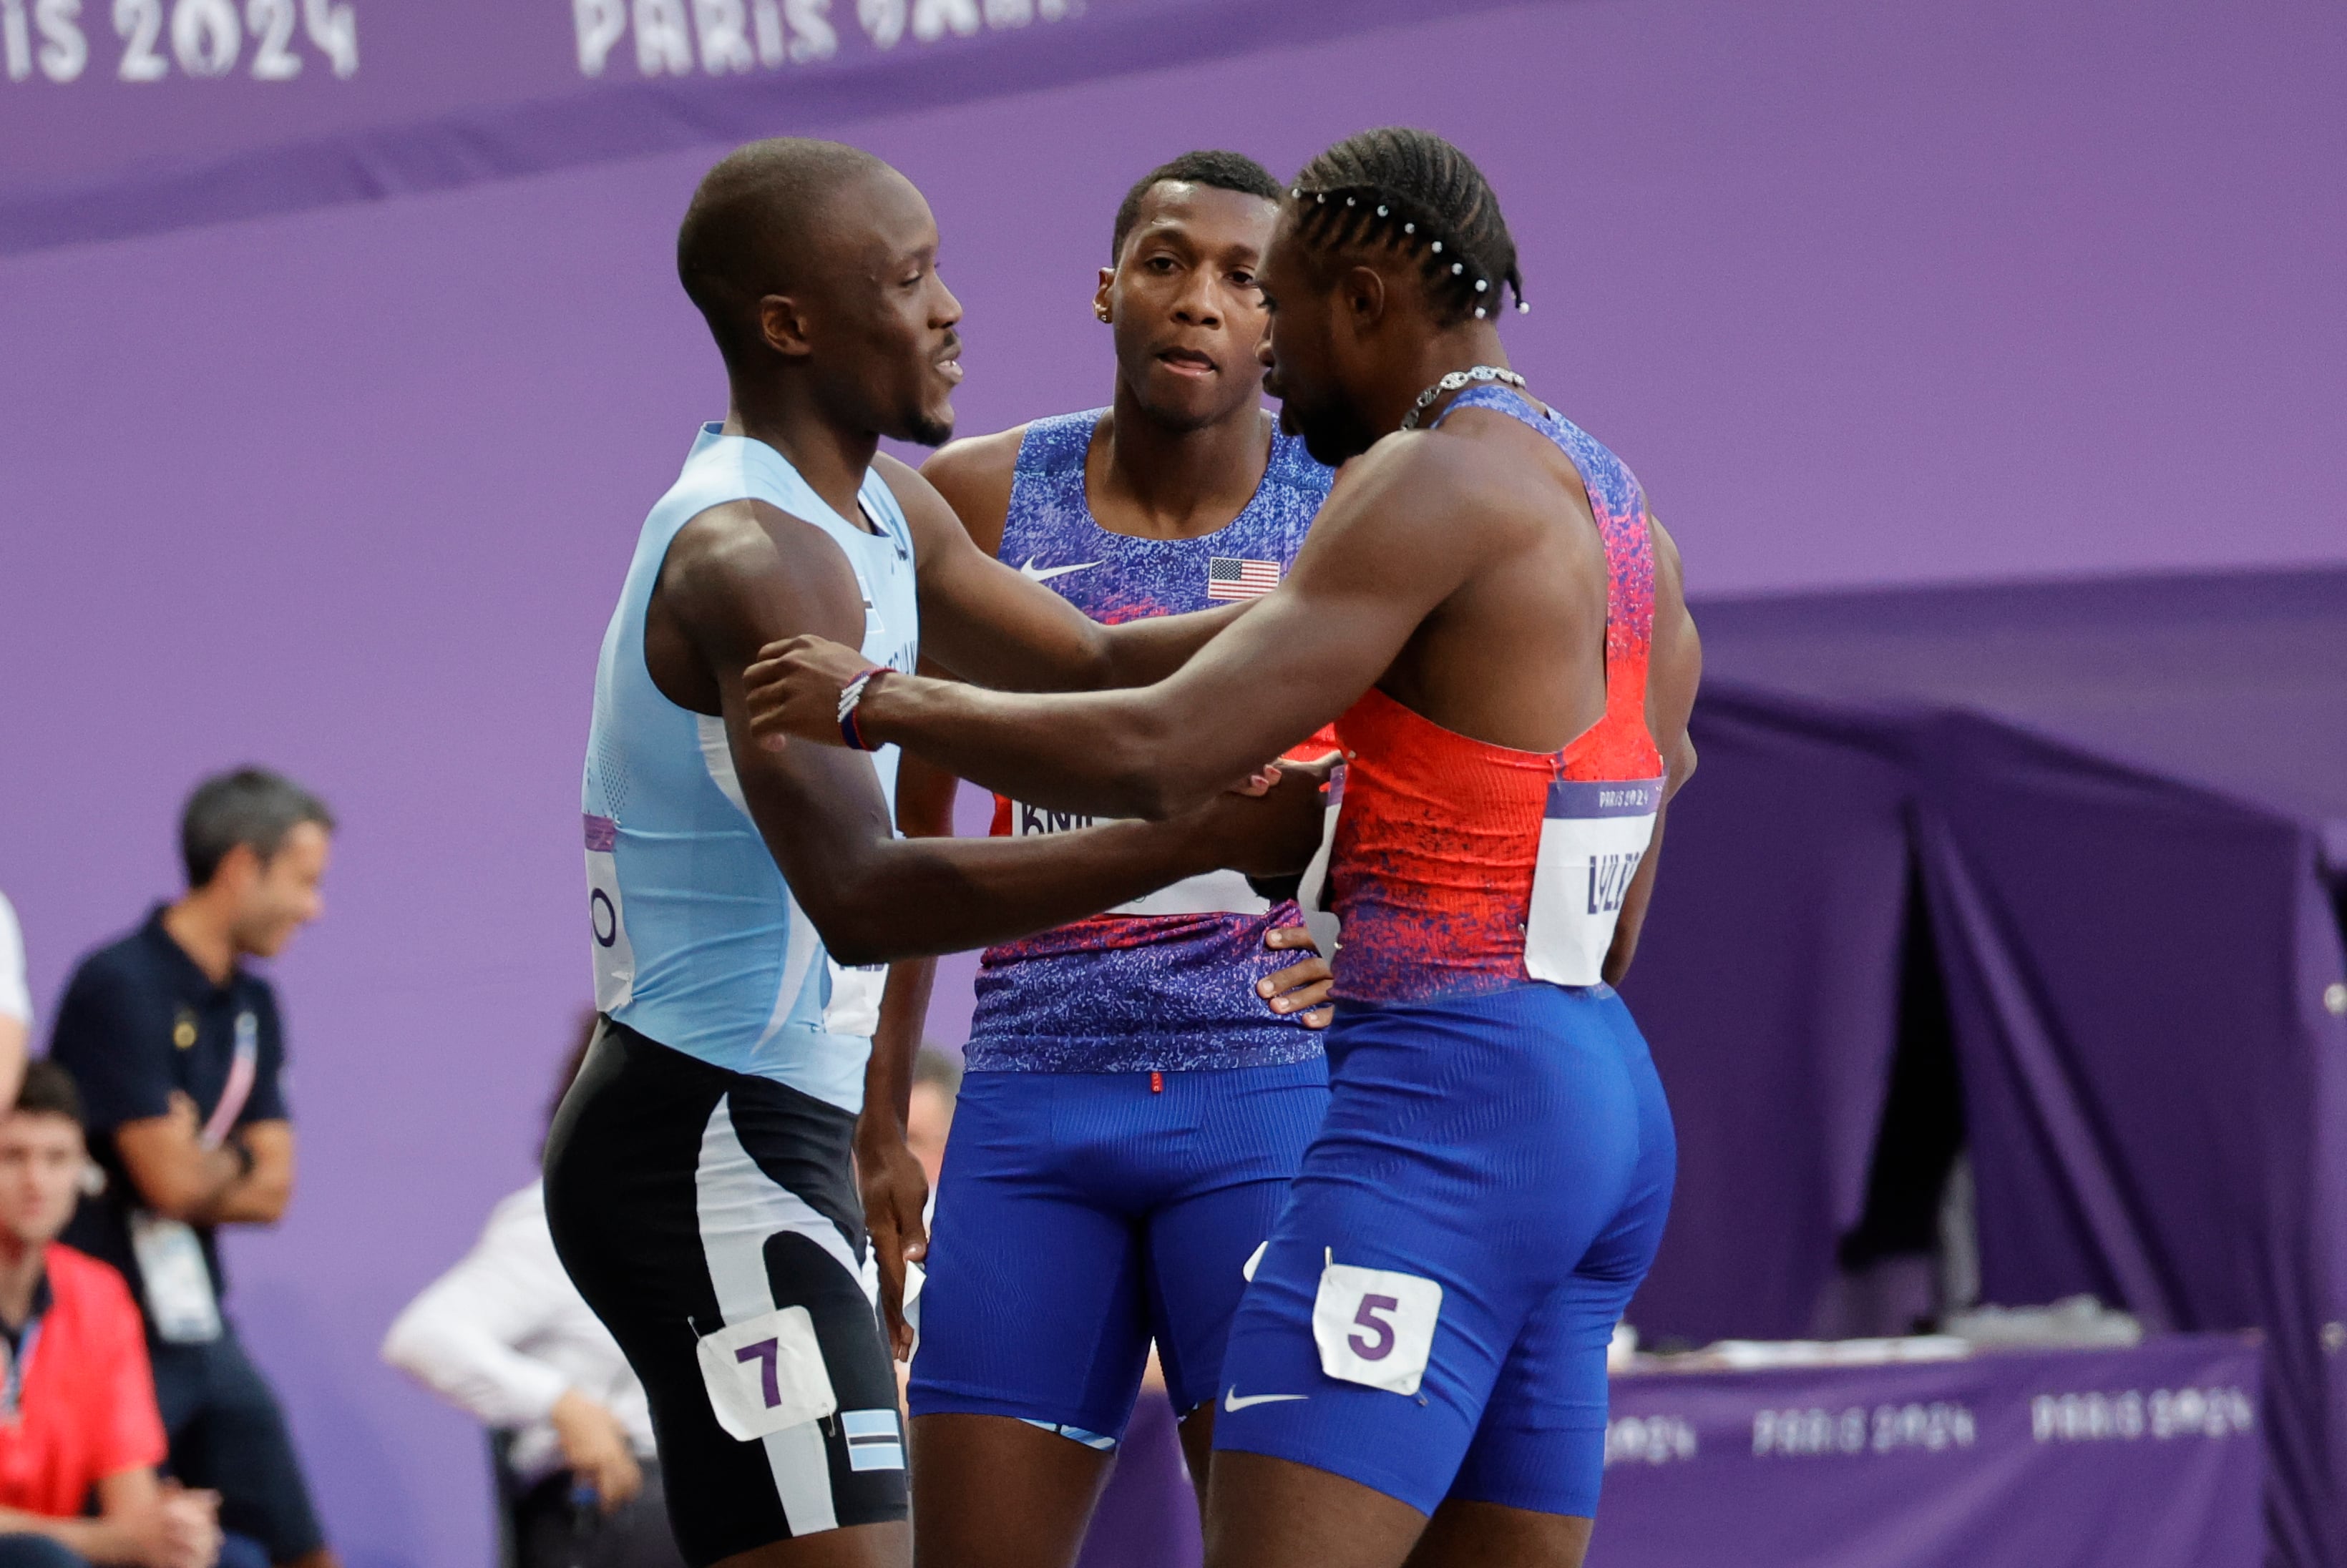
(765, 1374)
(1374, 1326)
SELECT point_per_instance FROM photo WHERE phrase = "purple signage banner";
(138, 116)
(2149, 1457)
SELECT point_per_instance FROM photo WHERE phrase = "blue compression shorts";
(1487, 1192)
(1081, 1216)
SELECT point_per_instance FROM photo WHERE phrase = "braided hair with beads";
(1411, 191)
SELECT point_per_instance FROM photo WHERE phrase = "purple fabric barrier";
(2143, 959)
(2236, 681)
(1772, 1011)
(2146, 1064)
(2144, 1458)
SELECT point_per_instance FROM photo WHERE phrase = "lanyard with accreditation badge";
(179, 1297)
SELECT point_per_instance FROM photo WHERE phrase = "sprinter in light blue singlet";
(702, 1172)
(699, 943)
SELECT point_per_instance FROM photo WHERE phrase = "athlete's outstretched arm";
(989, 624)
(743, 575)
(1674, 671)
(1378, 561)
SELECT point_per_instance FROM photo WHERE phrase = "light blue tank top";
(697, 940)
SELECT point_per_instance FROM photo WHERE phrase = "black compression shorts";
(711, 1221)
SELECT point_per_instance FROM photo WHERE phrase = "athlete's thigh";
(995, 1492)
(666, 1216)
(1269, 1513)
(1540, 1446)
(1033, 1307)
(888, 1545)
(1254, 1128)
(1486, 1535)
(1473, 1148)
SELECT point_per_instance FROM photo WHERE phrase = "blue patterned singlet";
(1166, 982)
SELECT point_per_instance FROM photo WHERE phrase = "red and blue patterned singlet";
(1167, 982)
(1456, 866)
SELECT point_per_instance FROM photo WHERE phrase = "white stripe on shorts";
(740, 1207)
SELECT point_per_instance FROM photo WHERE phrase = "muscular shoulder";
(975, 479)
(1437, 481)
(734, 567)
(730, 542)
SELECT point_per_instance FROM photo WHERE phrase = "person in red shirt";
(77, 1416)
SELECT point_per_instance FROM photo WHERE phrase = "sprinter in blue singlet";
(1141, 1085)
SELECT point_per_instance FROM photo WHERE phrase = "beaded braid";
(1412, 190)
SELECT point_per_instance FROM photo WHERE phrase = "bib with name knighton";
(1211, 892)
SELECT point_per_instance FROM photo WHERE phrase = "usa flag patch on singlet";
(1228, 577)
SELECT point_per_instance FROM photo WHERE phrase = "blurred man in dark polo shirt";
(178, 1051)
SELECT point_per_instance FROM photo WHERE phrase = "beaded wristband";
(849, 696)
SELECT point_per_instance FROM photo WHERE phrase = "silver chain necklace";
(1453, 383)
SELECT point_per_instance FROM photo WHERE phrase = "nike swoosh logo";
(1035, 574)
(1232, 1402)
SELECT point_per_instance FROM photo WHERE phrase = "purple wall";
(1867, 296)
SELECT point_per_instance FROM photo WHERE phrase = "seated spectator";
(177, 1049)
(77, 1412)
(506, 1336)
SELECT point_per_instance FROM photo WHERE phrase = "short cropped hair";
(1410, 191)
(748, 222)
(245, 806)
(1221, 170)
(48, 1091)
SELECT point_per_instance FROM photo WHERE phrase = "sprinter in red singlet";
(1490, 611)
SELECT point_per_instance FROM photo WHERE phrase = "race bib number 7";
(765, 1374)
(1374, 1326)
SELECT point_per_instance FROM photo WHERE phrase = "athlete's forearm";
(1144, 652)
(1095, 752)
(908, 898)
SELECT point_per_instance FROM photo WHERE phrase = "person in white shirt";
(506, 1336)
(16, 1005)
